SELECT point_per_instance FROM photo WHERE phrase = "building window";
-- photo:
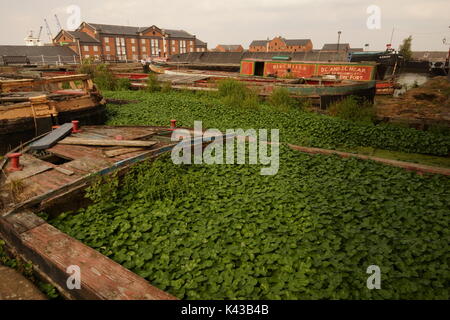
(86, 48)
(106, 40)
(143, 41)
(133, 48)
(144, 49)
(192, 43)
(107, 48)
(154, 46)
(173, 42)
(182, 46)
(120, 48)
(86, 56)
(95, 48)
(132, 40)
(173, 49)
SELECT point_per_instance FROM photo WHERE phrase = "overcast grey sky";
(240, 21)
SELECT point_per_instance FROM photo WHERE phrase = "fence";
(64, 60)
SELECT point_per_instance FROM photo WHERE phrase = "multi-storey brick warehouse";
(280, 44)
(112, 42)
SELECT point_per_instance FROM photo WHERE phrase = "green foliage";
(236, 94)
(101, 75)
(296, 126)
(166, 86)
(309, 232)
(405, 48)
(87, 66)
(153, 84)
(104, 78)
(353, 109)
(281, 100)
(123, 84)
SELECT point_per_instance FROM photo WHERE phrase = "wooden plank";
(64, 171)
(101, 278)
(52, 138)
(31, 166)
(419, 168)
(107, 142)
(23, 221)
(121, 151)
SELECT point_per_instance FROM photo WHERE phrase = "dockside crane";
(49, 32)
(58, 23)
(39, 35)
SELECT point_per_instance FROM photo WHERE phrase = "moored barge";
(30, 107)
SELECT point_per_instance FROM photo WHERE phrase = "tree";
(405, 48)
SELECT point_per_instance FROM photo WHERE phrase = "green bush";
(88, 67)
(353, 109)
(166, 86)
(153, 84)
(236, 94)
(104, 78)
(281, 100)
(123, 84)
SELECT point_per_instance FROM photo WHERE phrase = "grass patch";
(353, 109)
(281, 100)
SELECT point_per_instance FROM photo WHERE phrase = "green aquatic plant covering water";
(309, 232)
(296, 126)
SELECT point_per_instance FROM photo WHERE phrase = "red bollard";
(173, 124)
(15, 163)
(76, 126)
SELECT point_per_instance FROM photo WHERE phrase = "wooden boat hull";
(17, 131)
(30, 107)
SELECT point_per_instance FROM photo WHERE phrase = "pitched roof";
(178, 33)
(259, 43)
(333, 46)
(82, 36)
(35, 51)
(128, 30)
(199, 42)
(297, 42)
(231, 47)
(115, 29)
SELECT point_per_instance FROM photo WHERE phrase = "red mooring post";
(15, 162)
(76, 126)
(173, 124)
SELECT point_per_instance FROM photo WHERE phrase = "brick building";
(114, 42)
(229, 48)
(280, 44)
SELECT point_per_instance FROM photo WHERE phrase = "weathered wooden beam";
(107, 142)
(419, 168)
(121, 151)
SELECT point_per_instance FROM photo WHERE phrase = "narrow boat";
(321, 90)
(50, 174)
(30, 107)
